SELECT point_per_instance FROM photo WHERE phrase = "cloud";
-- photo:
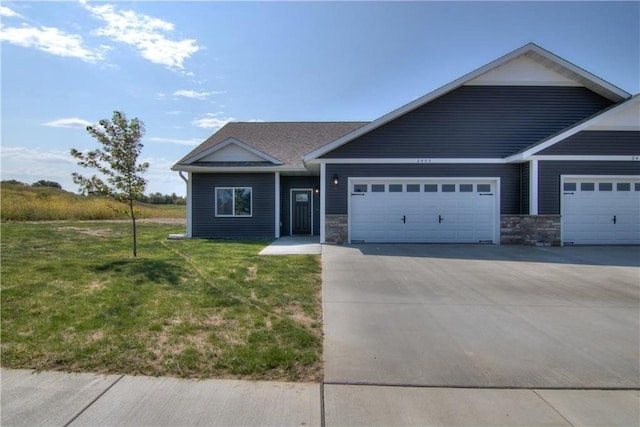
(191, 94)
(8, 13)
(50, 40)
(191, 142)
(24, 155)
(174, 113)
(212, 121)
(69, 123)
(150, 36)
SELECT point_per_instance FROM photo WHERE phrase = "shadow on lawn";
(142, 270)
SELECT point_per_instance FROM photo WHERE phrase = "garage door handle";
(440, 219)
(404, 219)
(357, 194)
(614, 219)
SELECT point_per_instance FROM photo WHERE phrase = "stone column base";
(533, 230)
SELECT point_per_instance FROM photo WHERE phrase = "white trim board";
(409, 160)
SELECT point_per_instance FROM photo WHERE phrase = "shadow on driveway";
(621, 256)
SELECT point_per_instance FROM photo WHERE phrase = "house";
(528, 149)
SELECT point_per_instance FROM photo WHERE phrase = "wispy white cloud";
(8, 13)
(173, 113)
(191, 142)
(212, 121)
(51, 40)
(152, 37)
(25, 154)
(73, 122)
(191, 94)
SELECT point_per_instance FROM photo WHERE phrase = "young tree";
(117, 162)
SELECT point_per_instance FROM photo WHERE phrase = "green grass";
(73, 299)
(23, 203)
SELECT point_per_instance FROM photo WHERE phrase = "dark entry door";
(301, 219)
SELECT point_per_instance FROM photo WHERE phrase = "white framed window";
(234, 201)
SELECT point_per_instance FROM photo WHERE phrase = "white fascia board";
(530, 47)
(232, 169)
(564, 135)
(421, 161)
(586, 158)
(240, 144)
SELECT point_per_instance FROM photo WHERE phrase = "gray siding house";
(529, 149)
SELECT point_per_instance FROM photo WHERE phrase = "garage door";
(409, 210)
(598, 210)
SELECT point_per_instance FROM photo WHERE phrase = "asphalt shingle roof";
(285, 141)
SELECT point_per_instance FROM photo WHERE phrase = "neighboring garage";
(600, 210)
(423, 210)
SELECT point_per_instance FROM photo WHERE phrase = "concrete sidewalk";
(54, 398)
(294, 245)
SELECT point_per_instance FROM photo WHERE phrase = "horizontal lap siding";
(260, 225)
(477, 121)
(336, 196)
(524, 188)
(286, 184)
(595, 143)
(549, 178)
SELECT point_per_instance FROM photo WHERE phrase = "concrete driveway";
(482, 316)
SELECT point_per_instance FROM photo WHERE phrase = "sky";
(187, 68)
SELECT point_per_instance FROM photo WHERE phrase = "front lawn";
(73, 299)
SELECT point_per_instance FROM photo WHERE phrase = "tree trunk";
(133, 222)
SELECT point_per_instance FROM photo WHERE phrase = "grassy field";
(23, 203)
(73, 299)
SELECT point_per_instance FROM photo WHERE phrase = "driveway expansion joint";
(553, 407)
(83, 410)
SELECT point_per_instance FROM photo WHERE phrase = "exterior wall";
(477, 122)
(549, 178)
(259, 225)
(286, 184)
(537, 230)
(336, 228)
(597, 143)
(336, 196)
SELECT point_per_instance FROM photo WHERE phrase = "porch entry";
(301, 211)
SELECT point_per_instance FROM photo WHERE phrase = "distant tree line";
(153, 198)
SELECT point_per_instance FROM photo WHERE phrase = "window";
(624, 186)
(448, 188)
(413, 188)
(395, 188)
(570, 186)
(587, 186)
(360, 188)
(431, 188)
(233, 201)
(484, 188)
(605, 186)
(637, 186)
(466, 188)
(377, 188)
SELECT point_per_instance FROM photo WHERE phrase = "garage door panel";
(427, 213)
(609, 214)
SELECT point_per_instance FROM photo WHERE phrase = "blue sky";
(186, 68)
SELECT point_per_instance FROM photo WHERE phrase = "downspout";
(189, 205)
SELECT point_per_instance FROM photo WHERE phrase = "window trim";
(233, 212)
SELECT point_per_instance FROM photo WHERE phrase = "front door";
(301, 203)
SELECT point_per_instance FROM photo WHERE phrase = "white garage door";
(414, 210)
(598, 210)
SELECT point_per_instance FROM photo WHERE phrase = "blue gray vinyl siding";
(524, 188)
(336, 196)
(477, 122)
(286, 184)
(549, 178)
(596, 143)
(260, 225)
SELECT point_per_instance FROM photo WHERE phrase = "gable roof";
(281, 142)
(530, 50)
(573, 129)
